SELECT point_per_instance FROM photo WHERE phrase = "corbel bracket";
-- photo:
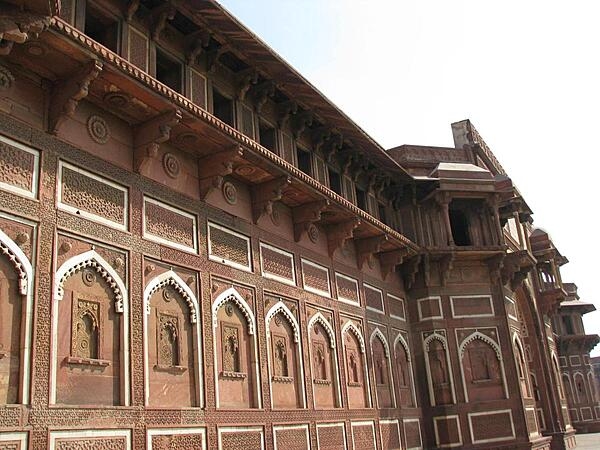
(446, 264)
(319, 136)
(495, 265)
(131, 9)
(285, 110)
(339, 233)
(300, 121)
(67, 94)
(244, 81)
(261, 92)
(410, 268)
(160, 16)
(212, 56)
(149, 135)
(196, 43)
(265, 194)
(212, 169)
(365, 248)
(333, 143)
(307, 214)
(389, 260)
(17, 26)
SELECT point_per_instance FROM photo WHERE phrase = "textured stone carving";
(313, 233)
(16, 166)
(169, 348)
(177, 441)
(117, 99)
(92, 195)
(320, 361)
(98, 129)
(229, 192)
(14, 260)
(105, 443)
(170, 225)
(171, 165)
(6, 78)
(172, 283)
(230, 344)
(86, 328)
(229, 246)
(363, 437)
(280, 357)
(276, 263)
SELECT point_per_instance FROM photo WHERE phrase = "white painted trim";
(161, 240)
(121, 297)
(495, 346)
(380, 292)
(405, 421)
(273, 311)
(393, 316)
(489, 413)
(510, 316)
(460, 316)
(20, 436)
(400, 339)
(311, 289)
(277, 428)
(223, 430)
(344, 299)
(86, 214)
(437, 434)
(516, 340)
(349, 327)
(377, 333)
(362, 424)
(151, 432)
(26, 290)
(166, 278)
(335, 372)
(33, 191)
(572, 358)
(271, 276)
(444, 341)
(434, 297)
(540, 415)
(225, 261)
(91, 434)
(329, 425)
(534, 433)
(581, 413)
(233, 295)
(388, 422)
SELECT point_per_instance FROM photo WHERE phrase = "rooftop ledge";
(197, 118)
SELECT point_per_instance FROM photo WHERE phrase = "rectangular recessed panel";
(246, 438)
(396, 307)
(586, 413)
(412, 434)
(90, 196)
(472, 306)
(168, 225)
(363, 435)
(19, 167)
(373, 298)
(198, 88)
(430, 308)
(277, 264)
(138, 49)
(315, 278)
(229, 247)
(390, 434)
(447, 431)
(293, 437)
(496, 426)
(331, 436)
(347, 288)
(574, 360)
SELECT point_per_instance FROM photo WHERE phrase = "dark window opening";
(267, 136)
(101, 28)
(222, 107)
(361, 199)
(568, 325)
(182, 24)
(381, 211)
(304, 163)
(335, 181)
(459, 223)
(168, 71)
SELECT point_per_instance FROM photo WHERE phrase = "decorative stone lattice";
(277, 263)
(177, 441)
(315, 277)
(169, 225)
(229, 246)
(363, 437)
(89, 194)
(105, 443)
(98, 129)
(16, 166)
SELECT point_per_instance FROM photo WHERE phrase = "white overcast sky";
(527, 74)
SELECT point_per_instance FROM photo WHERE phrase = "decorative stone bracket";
(306, 215)
(338, 234)
(149, 135)
(410, 268)
(261, 92)
(244, 81)
(212, 169)
(365, 248)
(196, 43)
(265, 194)
(67, 94)
(17, 26)
(389, 260)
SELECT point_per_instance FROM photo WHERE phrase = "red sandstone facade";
(198, 250)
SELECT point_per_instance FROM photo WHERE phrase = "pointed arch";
(400, 339)
(281, 307)
(91, 259)
(479, 335)
(377, 333)
(170, 278)
(437, 337)
(318, 317)
(350, 327)
(232, 295)
(19, 261)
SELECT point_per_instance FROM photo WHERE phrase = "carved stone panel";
(11, 304)
(19, 167)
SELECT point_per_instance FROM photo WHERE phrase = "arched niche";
(172, 342)
(382, 373)
(324, 368)
(566, 380)
(91, 310)
(404, 373)
(482, 368)
(236, 364)
(285, 358)
(16, 303)
(439, 372)
(581, 391)
(358, 392)
(522, 372)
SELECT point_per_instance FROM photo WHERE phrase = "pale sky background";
(527, 74)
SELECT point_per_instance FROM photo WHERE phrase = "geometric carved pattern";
(472, 306)
(291, 438)
(412, 433)
(363, 435)
(347, 288)
(169, 348)
(277, 263)
(177, 441)
(86, 328)
(240, 440)
(105, 443)
(316, 278)
(331, 436)
(230, 345)
(228, 246)
(17, 167)
(170, 279)
(497, 425)
(396, 306)
(82, 192)
(390, 435)
(166, 224)
(373, 297)
(447, 430)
